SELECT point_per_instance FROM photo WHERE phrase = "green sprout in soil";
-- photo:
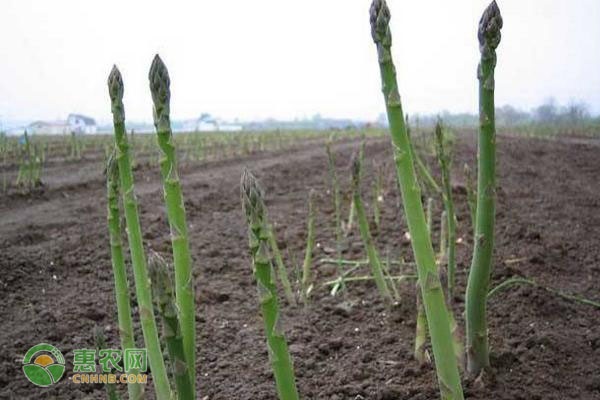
(337, 205)
(444, 159)
(182, 260)
(481, 265)
(164, 299)
(306, 282)
(258, 236)
(134, 236)
(365, 233)
(30, 165)
(431, 288)
(118, 265)
(351, 215)
(111, 388)
(281, 268)
(421, 168)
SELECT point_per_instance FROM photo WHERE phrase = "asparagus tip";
(115, 84)
(252, 196)
(158, 75)
(380, 20)
(157, 268)
(159, 88)
(489, 28)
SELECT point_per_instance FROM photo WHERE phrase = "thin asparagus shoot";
(134, 235)
(431, 289)
(100, 343)
(281, 269)
(365, 233)
(135, 390)
(386, 266)
(422, 169)
(337, 206)
(443, 237)
(255, 211)
(182, 260)
(429, 215)
(481, 264)
(445, 160)
(308, 253)
(421, 354)
(378, 198)
(351, 214)
(164, 299)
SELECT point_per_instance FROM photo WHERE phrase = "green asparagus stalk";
(429, 215)
(111, 388)
(365, 233)
(135, 390)
(351, 215)
(337, 206)
(281, 269)
(164, 298)
(134, 235)
(422, 169)
(377, 198)
(479, 275)
(443, 237)
(310, 244)
(386, 266)
(182, 260)
(355, 263)
(431, 288)
(258, 234)
(421, 354)
(444, 160)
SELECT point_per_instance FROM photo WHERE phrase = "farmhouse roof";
(47, 123)
(86, 120)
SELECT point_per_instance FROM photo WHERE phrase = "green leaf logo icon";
(43, 365)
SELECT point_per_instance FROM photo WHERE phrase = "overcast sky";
(287, 58)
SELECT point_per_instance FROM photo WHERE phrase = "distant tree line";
(574, 116)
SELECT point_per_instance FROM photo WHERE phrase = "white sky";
(287, 58)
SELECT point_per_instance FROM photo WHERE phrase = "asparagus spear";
(337, 204)
(134, 235)
(182, 260)
(281, 269)
(162, 290)
(258, 234)
(479, 276)
(421, 354)
(365, 233)
(111, 388)
(444, 161)
(421, 168)
(135, 390)
(310, 244)
(431, 288)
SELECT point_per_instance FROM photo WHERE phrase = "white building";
(81, 124)
(48, 128)
(75, 123)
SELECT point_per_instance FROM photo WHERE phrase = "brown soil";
(56, 281)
